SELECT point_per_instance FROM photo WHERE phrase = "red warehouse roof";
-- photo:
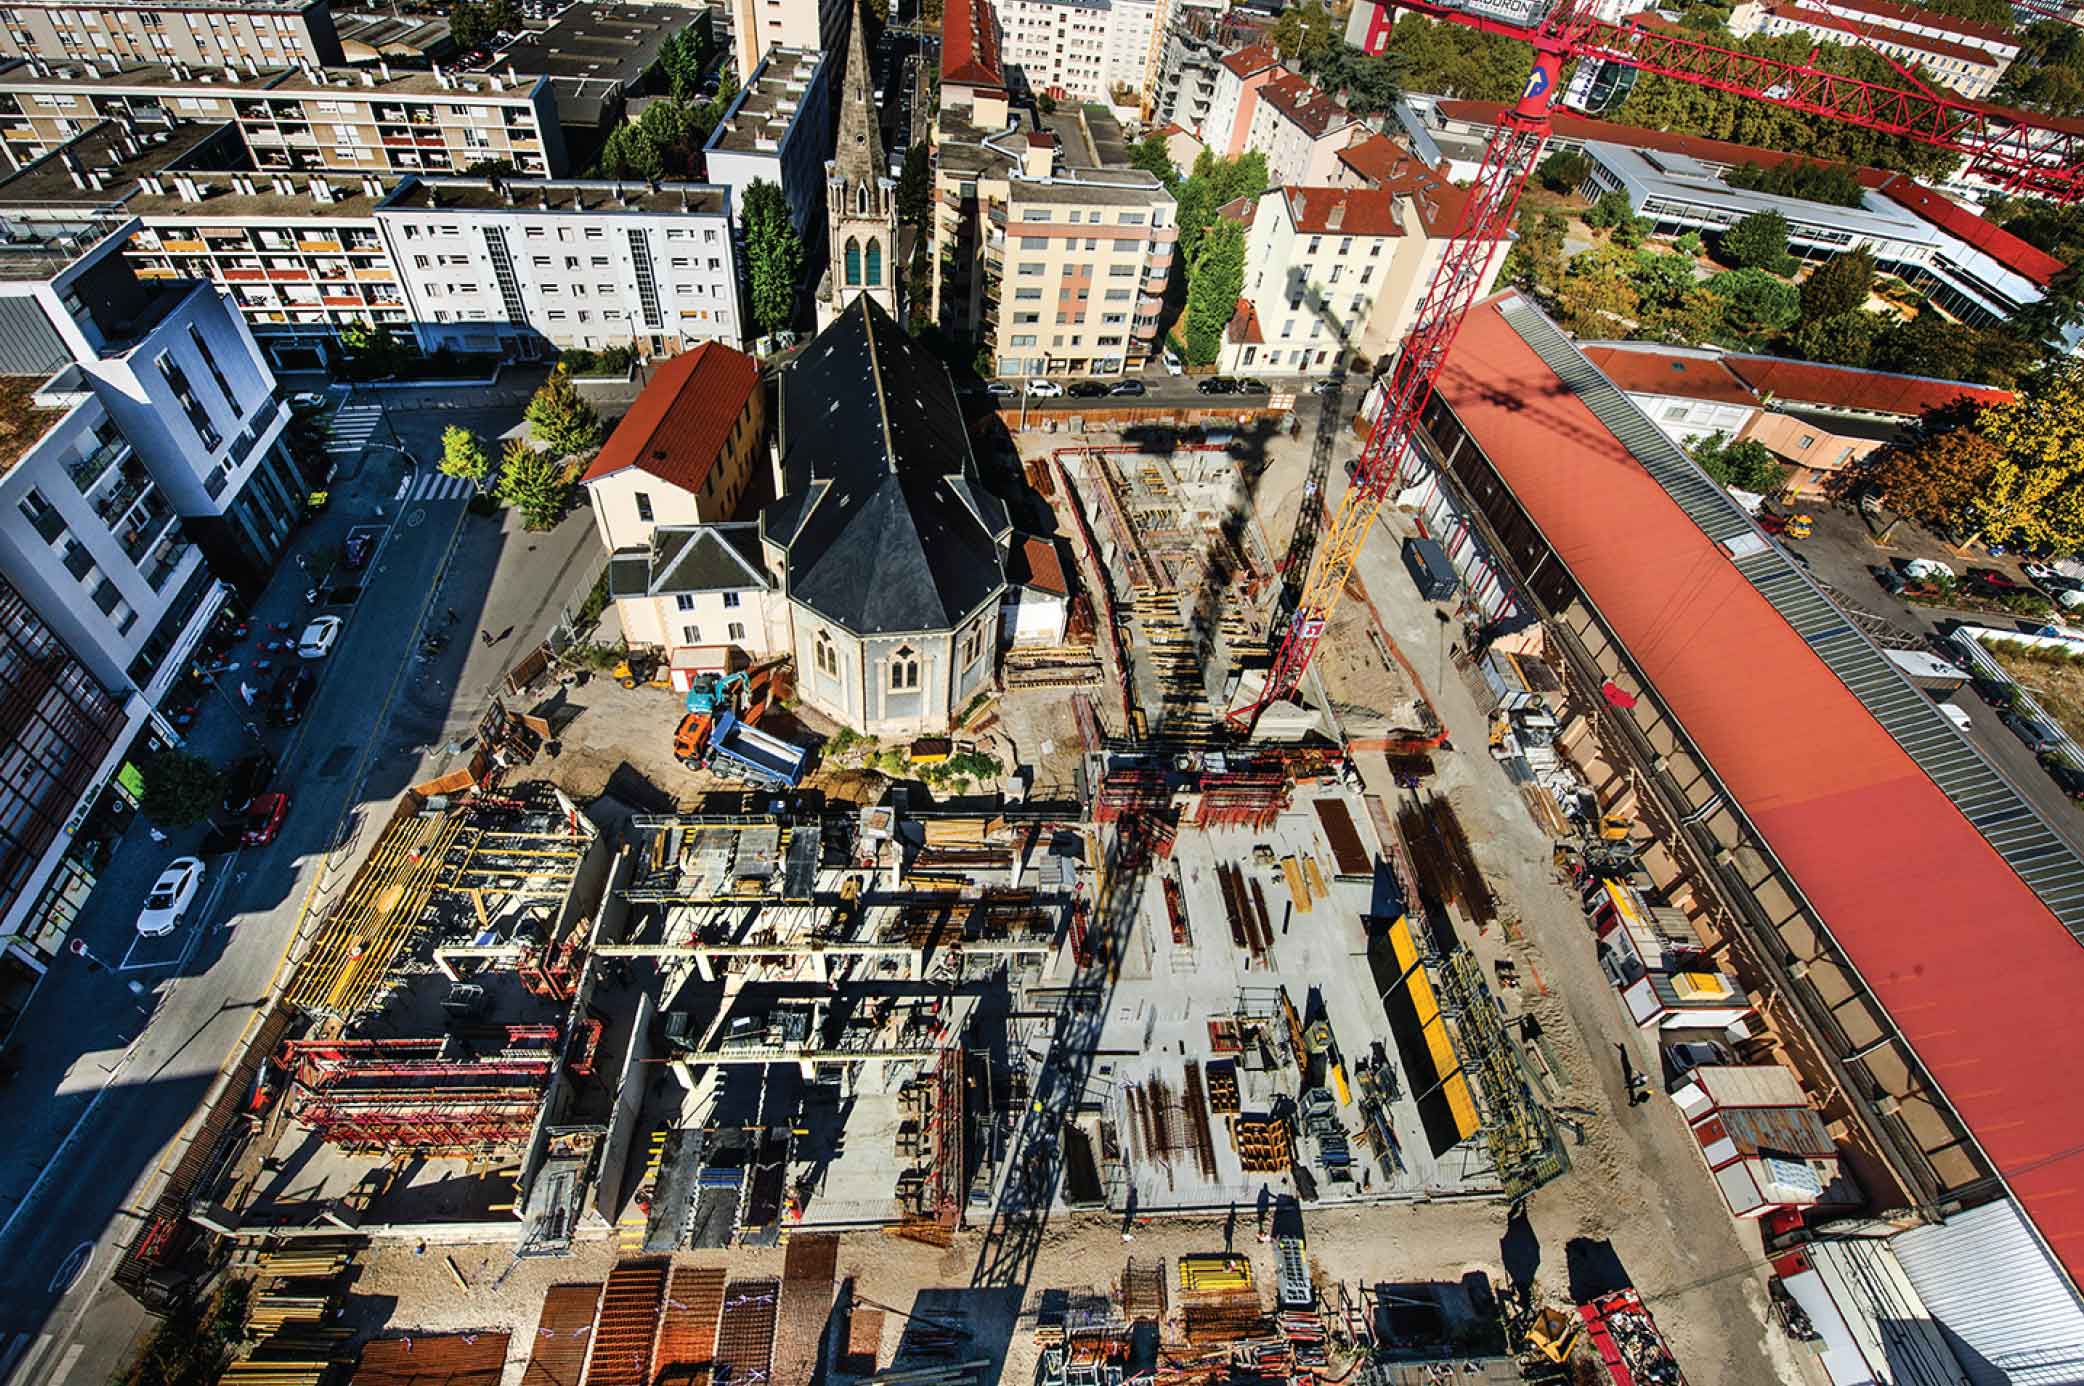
(1987, 236)
(1850, 388)
(1689, 376)
(1971, 965)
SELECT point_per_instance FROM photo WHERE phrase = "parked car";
(1216, 385)
(1003, 389)
(319, 637)
(264, 819)
(1957, 715)
(291, 695)
(1995, 692)
(1045, 389)
(2068, 778)
(1088, 389)
(1253, 385)
(1991, 582)
(2037, 734)
(2041, 573)
(247, 777)
(305, 400)
(1171, 362)
(360, 545)
(1127, 387)
(170, 896)
(1891, 581)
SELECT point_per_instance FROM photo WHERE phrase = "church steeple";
(860, 196)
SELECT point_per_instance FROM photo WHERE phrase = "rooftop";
(1343, 211)
(1035, 563)
(41, 74)
(1698, 375)
(682, 419)
(117, 159)
(581, 195)
(765, 109)
(1987, 236)
(1890, 12)
(1883, 33)
(970, 45)
(1316, 114)
(1389, 166)
(1083, 188)
(1969, 962)
(512, 82)
(22, 420)
(1247, 61)
(612, 42)
(1851, 388)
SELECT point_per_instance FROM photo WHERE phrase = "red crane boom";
(2006, 146)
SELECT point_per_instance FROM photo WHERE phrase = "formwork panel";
(627, 1330)
(745, 1335)
(806, 1304)
(562, 1334)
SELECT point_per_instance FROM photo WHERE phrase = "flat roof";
(617, 41)
(120, 159)
(1974, 969)
(1116, 188)
(443, 84)
(45, 75)
(1680, 175)
(766, 107)
(23, 421)
(588, 196)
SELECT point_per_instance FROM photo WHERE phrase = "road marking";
(66, 1364)
(351, 427)
(69, 1269)
(435, 486)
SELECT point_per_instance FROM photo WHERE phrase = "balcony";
(86, 471)
(146, 523)
(131, 483)
(168, 558)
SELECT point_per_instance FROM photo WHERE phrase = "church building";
(860, 200)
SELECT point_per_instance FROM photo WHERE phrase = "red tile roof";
(1343, 211)
(680, 422)
(1316, 114)
(1039, 567)
(1848, 387)
(1249, 60)
(1390, 166)
(1987, 236)
(1889, 12)
(970, 44)
(1882, 33)
(1973, 968)
(1244, 324)
(1671, 373)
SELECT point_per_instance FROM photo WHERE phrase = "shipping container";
(1430, 570)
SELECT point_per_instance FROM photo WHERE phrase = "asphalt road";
(129, 1095)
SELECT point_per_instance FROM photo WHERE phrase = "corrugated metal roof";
(1933, 875)
(1990, 1284)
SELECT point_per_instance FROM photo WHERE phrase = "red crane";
(2007, 147)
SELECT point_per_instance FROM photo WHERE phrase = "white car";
(318, 638)
(171, 895)
(1046, 389)
(1172, 363)
(307, 399)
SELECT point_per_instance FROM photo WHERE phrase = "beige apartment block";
(203, 35)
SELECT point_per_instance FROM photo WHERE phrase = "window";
(904, 669)
(735, 631)
(972, 644)
(690, 635)
(1030, 267)
(826, 658)
(730, 601)
(1808, 441)
(1675, 412)
(875, 262)
(643, 507)
(1035, 293)
(1034, 242)
(853, 261)
(685, 601)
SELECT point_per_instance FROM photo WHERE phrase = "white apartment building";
(1083, 49)
(760, 25)
(1227, 126)
(522, 268)
(273, 33)
(1083, 266)
(1300, 130)
(779, 130)
(1965, 56)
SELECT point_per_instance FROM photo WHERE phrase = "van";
(1958, 716)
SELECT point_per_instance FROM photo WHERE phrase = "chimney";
(383, 69)
(252, 67)
(72, 171)
(497, 83)
(620, 200)
(368, 79)
(1337, 216)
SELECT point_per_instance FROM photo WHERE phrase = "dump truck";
(727, 746)
(1629, 1344)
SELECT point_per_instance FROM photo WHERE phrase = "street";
(110, 1079)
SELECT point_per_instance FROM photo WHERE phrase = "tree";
(2049, 72)
(1746, 465)
(373, 351)
(1153, 156)
(180, 789)
(1758, 242)
(1756, 305)
(1564, 171)
(1536, 259)
(1609, 211)
(1212, 288)
(561, 418)
(915, 190)
(534, 482)
(1046, 104)
(1844, 340)
(1305, 33)
(774, 256)
(1833, 184)
(2034, 495)
(463, 455)
(1691, 318)
(1935, 480)
(1368, 85)
(1929, 344)
(1596, 302)
(1214, 183)
(1839, 285)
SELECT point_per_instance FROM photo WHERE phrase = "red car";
(264, 819)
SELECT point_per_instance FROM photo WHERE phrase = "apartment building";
(1300, 130)
(1191, 47)
(1085, 50)
(278, 34)
(779, 130)
(525, 268)
(1964, 55)
(1227, 128)
(363, 120)
(1080, 271)
(760, 25)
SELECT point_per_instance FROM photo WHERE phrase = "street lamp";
(209, 676)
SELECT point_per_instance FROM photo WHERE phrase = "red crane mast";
(2008, 147)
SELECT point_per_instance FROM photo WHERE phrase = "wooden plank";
(1298, 889)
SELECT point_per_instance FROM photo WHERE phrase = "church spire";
(860, 152)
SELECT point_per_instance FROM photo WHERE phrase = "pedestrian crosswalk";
(350, 428)
(433, 486)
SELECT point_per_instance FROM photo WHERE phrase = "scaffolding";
(436, 1097)
(1525, 1152)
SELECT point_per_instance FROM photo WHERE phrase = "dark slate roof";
(706, 558)
(885, 524)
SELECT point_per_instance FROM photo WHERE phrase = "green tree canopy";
(1757, 305)
(1832, 184)
(373, 350)
(1305, 33)
(774, 255)
(180, 789)
(1212, 289)
(536, 483)
(1758, 242)
(2034, 496)
(463, 454)
(1153, 156)
(915, 190)
(1564, 171)
(1929, 344)
(1838, 286)
(1213, 184)
(1747, 464)
(1935, 480)
(1846, 339)
(2048, 74)
(561, 418)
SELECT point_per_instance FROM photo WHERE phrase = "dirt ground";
(2055, 678)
